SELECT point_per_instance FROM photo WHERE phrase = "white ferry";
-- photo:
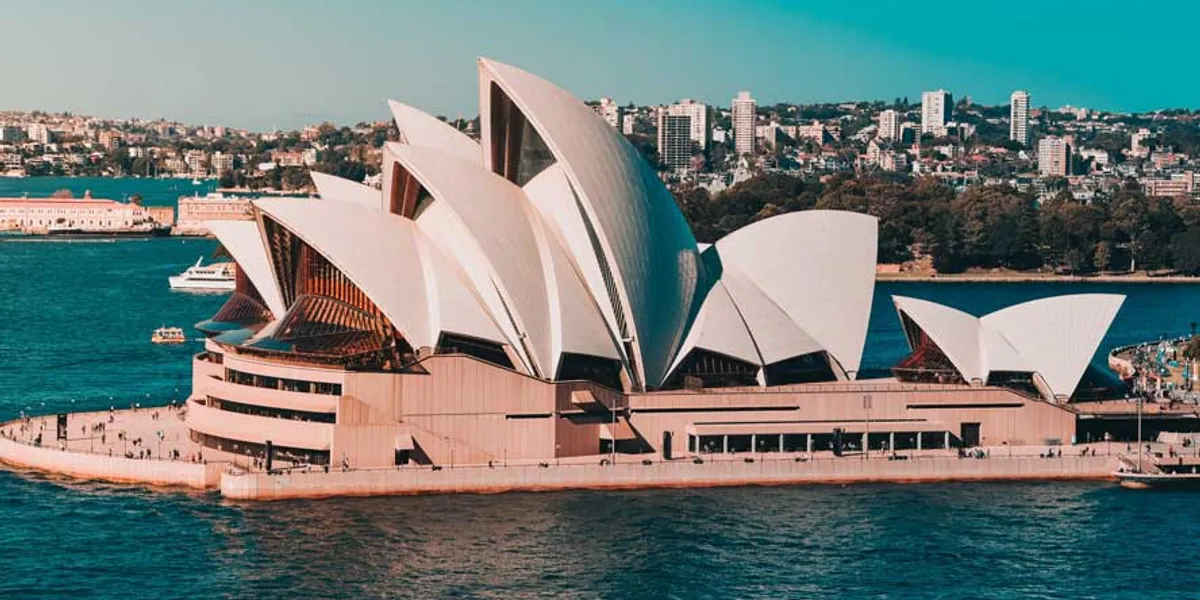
(168, 335)
(217, 277)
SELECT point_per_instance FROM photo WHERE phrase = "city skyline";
(274, 64)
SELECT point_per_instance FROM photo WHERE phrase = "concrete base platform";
(102, 451)
(682, 473)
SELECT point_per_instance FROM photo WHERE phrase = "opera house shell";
(538, 294)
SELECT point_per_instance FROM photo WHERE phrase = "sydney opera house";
(537, 294)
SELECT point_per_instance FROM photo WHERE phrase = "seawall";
(109, 468)
(672, 474)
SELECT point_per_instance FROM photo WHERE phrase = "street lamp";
(867, 439)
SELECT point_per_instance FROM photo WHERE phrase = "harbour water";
(75, 318)
(154, 192)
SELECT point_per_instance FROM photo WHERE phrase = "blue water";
(74, 323)
(155, 192)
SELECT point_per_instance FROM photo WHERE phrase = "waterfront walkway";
(151, 446)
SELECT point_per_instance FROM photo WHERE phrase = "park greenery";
(989, 227)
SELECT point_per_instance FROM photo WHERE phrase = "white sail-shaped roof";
(331, 187)
(719, 328)
(504, 246)
(775, 334)
(422, 129)
(382, 255)
(955, 332)
(640, 236)
(818, 267)
(1058, 336)
(1055, 337)
(245, 245)
(550, 193)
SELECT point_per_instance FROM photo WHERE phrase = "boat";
(1140, 474)
(195, 181)
(217, 277)
(168, 335)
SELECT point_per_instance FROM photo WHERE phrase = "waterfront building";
(39, 215)
(744, 111)
(537, 295)
(1054, 157)
(196, 213)
(611, 112)
(889, 125)
(1018, 117)
(936, 110)
(197, 163)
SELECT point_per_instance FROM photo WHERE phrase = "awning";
(404, 441)
(822, 427)
(583, 398)
(617, 431)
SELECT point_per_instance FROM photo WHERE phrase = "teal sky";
(286, 63)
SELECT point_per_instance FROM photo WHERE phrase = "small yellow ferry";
(168, 335)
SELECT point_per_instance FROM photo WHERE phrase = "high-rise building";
(610, 111)
(674, 140)
(1054, 157)
(697, 113)
(38, 132)
(744, 110)
(936, 110)
(11, 135)
(889, 125)
(1018, 117)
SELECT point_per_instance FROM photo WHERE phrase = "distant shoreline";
(1033, 278)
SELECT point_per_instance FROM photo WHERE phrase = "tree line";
(993, 226)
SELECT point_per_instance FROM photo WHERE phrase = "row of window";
(281, 453)
(282, 383)
(274, 413)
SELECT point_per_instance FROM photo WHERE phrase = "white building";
(697, 114)
(1018, 117)
(221, 163)
(39, 132)
(196, 160)
(744, 111)
(91, 214)
(889, 125)
(1054, 157)
(610, 111)
(936, 109)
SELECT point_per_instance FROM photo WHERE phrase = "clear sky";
(286, 63)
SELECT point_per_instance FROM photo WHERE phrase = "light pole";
(867, 439)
